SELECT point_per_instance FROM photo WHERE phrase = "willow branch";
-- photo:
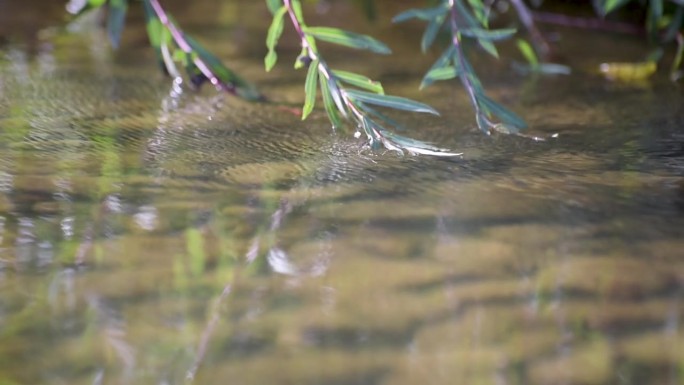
(183, 44)
(465, 79)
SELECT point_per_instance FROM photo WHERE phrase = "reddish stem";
(183, 44)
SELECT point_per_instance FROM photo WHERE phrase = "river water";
(147, 238)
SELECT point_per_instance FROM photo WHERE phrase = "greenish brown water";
(145, 237)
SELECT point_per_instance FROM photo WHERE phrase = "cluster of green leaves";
(471, 22)
(172, 46)
(346, 95)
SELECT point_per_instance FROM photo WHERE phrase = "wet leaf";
(310, 89)
(337, 96)
(395, 102)
(359, 81)
(328, 101)
(505, 115)
(380, 115)
(348, 39)
(243, 88)
(414, 146)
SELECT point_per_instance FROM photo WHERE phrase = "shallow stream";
(147, 238)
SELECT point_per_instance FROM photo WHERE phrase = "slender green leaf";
(379, 115)
(431, 31)
(302, 59)
(182, 57)
(422, 14)
(395, 102)
(297, 8)
(337, 96)
(608, 6)
(464, 13)
(274, 33)
(310, 89)
(505, 115)
(416, 146)
(441, 73)
(328, 101)
(655, 15)
(274, 5)
(270, 60)
(480, 10)
(444, 59)
(243, 88)
(528, 53)
(359, 81)
(115, 20)
(348, 39)
(469, 72)
(154, 32)
(490, 35)
(489, 47)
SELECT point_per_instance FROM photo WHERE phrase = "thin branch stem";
(300, 31)
(183, 44)
(526, 17)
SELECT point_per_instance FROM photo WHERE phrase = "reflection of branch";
(209, 331)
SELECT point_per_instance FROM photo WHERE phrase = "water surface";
(147, 238)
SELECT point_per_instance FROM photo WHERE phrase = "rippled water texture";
(147, 239)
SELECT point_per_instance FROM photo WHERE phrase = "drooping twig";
(352, 103)
(185, 46)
